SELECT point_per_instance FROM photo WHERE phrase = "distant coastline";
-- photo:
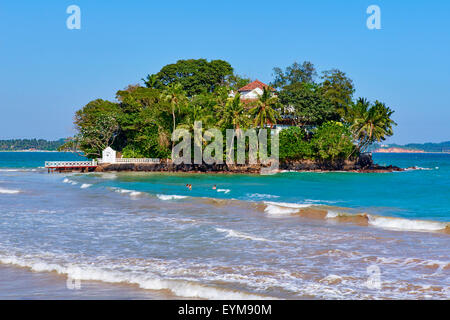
(403, 150)
(442, 147)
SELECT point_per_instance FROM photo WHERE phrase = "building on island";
(253, 90)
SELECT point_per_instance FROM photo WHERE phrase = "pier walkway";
(65, 166)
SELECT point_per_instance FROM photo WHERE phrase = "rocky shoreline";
(363, 165)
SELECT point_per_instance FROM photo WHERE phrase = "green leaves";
(141, 121)
(305, 104)
(370, 123)
(265, 112)
(293, 144)
(194, 75)
(333, 140)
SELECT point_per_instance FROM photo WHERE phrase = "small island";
(319, 123)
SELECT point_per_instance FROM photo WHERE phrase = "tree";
(306, 106)
(337, 88)
(295, 73)
(152, 81)
(293, 144)
(233, 114)
(97, 127)
(265, 111)
(235, 82)
(194, 76)
(175, 95)
(332, 140)
(370, 122)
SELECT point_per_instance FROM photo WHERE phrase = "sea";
(291, 235)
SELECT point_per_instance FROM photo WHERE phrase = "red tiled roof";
(255, 84)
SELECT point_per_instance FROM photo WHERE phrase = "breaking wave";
(132, 193)
(388, 223)
(166, 197)
(66, 180)
(405, 224)
(283, 208)
(8, 191)
(179, 287)
(236, 234)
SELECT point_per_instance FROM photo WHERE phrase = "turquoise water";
(417, 194)
(147, 235)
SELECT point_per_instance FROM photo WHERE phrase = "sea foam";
(235, 234)
(405, 224)
(282, 208)
(8, 191)
(181, 288)
(166, 197)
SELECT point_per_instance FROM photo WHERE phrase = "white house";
(253, 90)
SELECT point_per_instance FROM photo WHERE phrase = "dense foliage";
(326, 123)
(27, 144)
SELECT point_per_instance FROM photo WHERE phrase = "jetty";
(109, 156)
(69, 166)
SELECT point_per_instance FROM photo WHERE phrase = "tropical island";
(321, 125)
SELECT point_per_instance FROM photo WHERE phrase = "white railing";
(132, 160)
(70, 164)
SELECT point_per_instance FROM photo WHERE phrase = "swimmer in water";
(214, 187)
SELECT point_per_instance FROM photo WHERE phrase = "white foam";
(224, 190)
(262, 196)
(181, 288)
(282, 208)
(118, 190)
(405, 224)
(66, 180)
(332, 214)
(131, 193)
(85, 185)
(166, 197)
(419, 168)
(8, 191)
(235, 234)
(18, 170)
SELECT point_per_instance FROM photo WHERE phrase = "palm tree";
(175, 95)
(265, 111)
(370, 122)
(233, 114)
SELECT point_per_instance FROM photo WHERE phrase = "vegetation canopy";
(324, 122)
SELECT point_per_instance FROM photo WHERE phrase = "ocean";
(292, 235)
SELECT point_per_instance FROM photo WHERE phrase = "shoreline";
(246, 169)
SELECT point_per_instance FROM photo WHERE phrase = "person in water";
(214, 187)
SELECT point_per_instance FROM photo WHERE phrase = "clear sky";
(47, 71)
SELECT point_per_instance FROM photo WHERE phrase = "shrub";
(293, 144)
(332, 141)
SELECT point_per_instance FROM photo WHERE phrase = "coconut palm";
(233, 114)
(265, 110)
(175, 95)
(370, 122)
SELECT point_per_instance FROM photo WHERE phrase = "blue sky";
(47, 72)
